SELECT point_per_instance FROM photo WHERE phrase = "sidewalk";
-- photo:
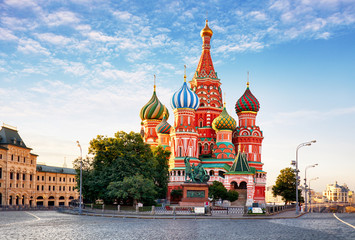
(281, 215)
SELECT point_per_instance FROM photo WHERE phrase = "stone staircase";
(242, 198)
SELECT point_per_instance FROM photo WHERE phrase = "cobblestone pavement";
(52, 225)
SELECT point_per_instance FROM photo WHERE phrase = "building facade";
(23, 182)
(338, 193)
(204, 131)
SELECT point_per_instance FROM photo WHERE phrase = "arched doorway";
(17, 200)
(243, 185)
(39, 201)
(234, 185)
(0, 199)
(50, 201)
(61, 201)
(23, 200)
(10, 200)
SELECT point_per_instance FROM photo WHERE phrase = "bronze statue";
(196, 174)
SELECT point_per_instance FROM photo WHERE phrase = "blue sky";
(70, 70)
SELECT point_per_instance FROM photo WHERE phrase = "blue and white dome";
(185, 98)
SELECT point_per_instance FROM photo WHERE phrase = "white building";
(337, 193)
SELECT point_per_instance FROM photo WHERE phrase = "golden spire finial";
(248, 80)
(224, 102)
(184, 73)
(154, 82)
(164, 113)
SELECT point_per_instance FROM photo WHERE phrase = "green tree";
(217, 191)
(116, 158)
(176, 193)
(285, 186)
(232, 195)
(161, 173)
(137, 188)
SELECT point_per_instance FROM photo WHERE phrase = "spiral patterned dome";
(154, 109)
(185, 98)
(224, 122)
(163, 127)
(247, 102)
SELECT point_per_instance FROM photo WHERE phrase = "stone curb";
(182, 216)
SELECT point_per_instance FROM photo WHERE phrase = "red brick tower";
(206, 85)
(248, 138)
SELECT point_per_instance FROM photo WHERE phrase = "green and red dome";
(247, 102)
(224, 121)
(163, 127)
(154, 109)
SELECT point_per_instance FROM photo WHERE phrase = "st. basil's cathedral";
(205, 132)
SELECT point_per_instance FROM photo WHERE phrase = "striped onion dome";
(154, 109)
(163, 127)
(224, 121)
(185, 98)
(247, 102)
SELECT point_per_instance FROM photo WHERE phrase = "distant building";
(270, 199)
(337, 193)
(24, 182)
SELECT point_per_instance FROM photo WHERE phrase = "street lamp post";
(298, 147)
(305, 184)
(81, 177)
(309, 187)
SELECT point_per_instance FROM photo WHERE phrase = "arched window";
(211, 173)
(200, 148)
(221, 174)
(205, 147)
(234, 185)
(179, 173)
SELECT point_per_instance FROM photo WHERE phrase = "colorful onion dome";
(247, 102)
(206, 31)
(154, 109)
(185, 98)
(224, 121)
(163, 127)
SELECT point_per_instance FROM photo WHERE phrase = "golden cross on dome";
(248, 80)
(184, 73)
(154, 82)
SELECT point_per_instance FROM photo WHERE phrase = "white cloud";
(7, 35)
(123, 15)
(30, 46)
(53, 38)
(99, 36)
(20, 3)
(76, 68)
(61, 18)
(257, 15)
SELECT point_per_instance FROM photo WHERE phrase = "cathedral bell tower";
(206, 85)
(184, 136)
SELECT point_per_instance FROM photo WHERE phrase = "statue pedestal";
(194, 194)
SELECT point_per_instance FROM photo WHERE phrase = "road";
(52, 225)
